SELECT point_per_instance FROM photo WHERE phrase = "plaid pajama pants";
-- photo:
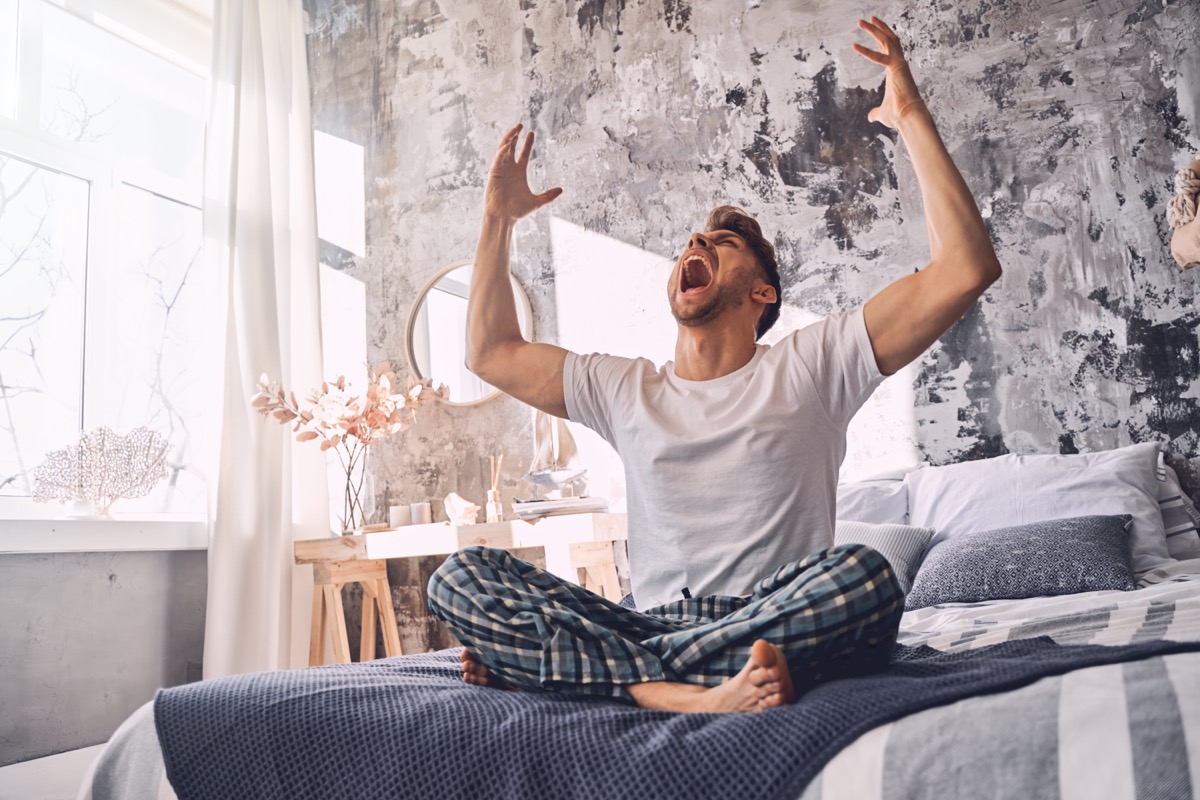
(833, 614)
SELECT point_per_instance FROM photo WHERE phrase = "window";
(102, 109)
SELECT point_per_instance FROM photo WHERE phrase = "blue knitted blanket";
(409, 727)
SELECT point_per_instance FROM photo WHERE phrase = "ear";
(764, 293)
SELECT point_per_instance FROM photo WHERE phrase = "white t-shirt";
(730, 478)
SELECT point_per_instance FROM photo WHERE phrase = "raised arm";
(910, 314)
(532, 372)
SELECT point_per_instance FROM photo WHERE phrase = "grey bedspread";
(409, 727)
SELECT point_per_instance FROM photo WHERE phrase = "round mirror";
(437, 334)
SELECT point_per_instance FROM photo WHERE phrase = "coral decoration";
(103, 467)
(348, 424)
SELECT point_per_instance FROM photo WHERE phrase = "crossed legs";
(834, 612)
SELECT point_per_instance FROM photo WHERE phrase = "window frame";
(181, 23)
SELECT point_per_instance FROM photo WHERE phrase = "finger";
(510, 146)
(523, 159)
(508, 135)
(871, 28)
(877, 33)
(895, 47)
(503, 156)
(547, 196)
(506, 144)
(871, 55)
(878, 23)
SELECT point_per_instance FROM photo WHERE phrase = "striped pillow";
(901, 545)
(1181, 520)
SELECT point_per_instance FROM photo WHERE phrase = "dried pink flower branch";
(346, 423)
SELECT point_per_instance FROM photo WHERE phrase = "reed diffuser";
(495, 511)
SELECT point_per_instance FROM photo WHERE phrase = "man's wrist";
(497, 224)
(915, 112)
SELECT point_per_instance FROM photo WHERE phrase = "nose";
(698, 240)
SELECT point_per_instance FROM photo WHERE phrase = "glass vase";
(352, 489)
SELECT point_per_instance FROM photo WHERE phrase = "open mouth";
(696, 274)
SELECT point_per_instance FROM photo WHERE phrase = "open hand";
(508, 194)
(900, 94)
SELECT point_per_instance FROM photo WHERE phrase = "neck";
(712, 351)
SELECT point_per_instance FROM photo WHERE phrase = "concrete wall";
(1067, 118)
(86, 638)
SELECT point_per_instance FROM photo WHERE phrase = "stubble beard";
(731, 295)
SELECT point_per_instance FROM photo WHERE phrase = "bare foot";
(763, 683)
(477, 674)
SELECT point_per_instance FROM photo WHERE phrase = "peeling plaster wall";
(1068, 120)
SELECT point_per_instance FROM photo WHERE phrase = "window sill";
(101, 536)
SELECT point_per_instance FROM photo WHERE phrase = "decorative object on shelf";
(459, 510)
(530, 510)
(348, 424)
(103, 467)
(495, 510)
(1183, 219)
(420, 513)
(553, 451)
(399, 516)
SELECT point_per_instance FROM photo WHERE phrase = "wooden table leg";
(387, 617)
(316, 631)
(597, 568)
(337, 627)
(366, 642)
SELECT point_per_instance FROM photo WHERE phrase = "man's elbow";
(989, 272)
(967, 275)
(476, 364)
(485, 362)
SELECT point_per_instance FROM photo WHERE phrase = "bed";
(1069, 693)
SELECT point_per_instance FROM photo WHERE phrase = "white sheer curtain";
(261, 243)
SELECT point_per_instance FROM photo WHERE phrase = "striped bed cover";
(1113, 732)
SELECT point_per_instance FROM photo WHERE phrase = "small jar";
(495, 511)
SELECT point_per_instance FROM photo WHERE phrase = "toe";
(761, 675)
(763, 653)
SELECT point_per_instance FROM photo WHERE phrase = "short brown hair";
(732, 218)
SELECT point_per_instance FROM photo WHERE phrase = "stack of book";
(536, 509)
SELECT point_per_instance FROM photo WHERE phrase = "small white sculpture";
(103, 467)
(554, 456)
(459, 510)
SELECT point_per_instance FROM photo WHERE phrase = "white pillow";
(960, 499)
(878, 501)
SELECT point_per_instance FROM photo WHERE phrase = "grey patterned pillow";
(1042, 559)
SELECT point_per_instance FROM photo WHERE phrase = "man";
(731, 455)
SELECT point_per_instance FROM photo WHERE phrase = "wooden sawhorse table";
(578, 547)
